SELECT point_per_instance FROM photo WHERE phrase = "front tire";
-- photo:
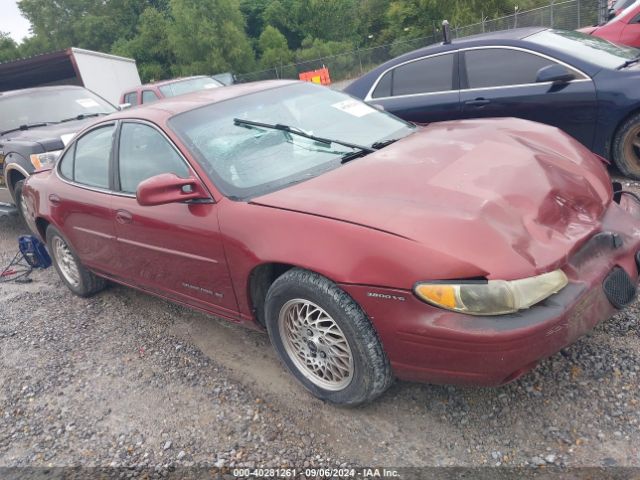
(71, 271)
(20, 203)
(626, 148)
(325, 339)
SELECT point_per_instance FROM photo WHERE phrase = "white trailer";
(105, 74)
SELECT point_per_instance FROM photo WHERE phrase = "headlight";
(46, 159)
(493, 297)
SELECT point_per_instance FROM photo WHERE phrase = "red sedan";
(624, 28)
(368, 248)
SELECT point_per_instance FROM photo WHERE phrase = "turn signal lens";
(493, 297)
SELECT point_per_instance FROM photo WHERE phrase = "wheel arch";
(259, 281)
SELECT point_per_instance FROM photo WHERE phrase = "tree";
(273, 48)
(150, 46)
(8, 48)
(207, 36)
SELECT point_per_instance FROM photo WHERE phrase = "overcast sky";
(11, 21)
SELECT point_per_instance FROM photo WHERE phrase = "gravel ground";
(126, 379)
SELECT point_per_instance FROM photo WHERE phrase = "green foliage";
(183, 37)
(8, 48)
(273, 48)
(207, 36)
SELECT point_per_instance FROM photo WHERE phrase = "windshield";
(586, 47)
(245, 161)
(187, 86)
(49, 106)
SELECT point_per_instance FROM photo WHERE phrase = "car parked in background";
(623, 29)
(461, 252)
(35, 125)
(584, 85)
(618, 6)
(152, 92)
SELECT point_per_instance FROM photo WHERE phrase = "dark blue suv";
(586, 86)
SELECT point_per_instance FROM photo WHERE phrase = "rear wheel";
(77, 278)
(325, 339)
(626, 148)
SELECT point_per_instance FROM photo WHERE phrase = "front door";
(175, 249)
(501, 82)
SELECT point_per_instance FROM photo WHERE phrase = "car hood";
(509, 197)
(51, 137)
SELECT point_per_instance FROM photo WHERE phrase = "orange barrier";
(320, 76)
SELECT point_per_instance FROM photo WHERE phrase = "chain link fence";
(564, 14)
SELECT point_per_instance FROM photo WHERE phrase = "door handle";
(54, 199)
(123, 217)
(478, 102)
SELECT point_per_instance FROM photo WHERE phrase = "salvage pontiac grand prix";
(369, 248)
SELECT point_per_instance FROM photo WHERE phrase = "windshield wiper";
(629, 62)
(383, 143)
(82, 116)
(295, 131)
(27, 126)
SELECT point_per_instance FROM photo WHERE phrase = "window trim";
(116, 157)
(462, 73)
(72, 145)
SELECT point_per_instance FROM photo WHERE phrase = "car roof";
(10, 93)
(161, 83)
(171, 106)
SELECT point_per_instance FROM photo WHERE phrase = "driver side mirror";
(169, 188)
(554, 73)
(124, 106)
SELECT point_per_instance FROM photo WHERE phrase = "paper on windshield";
(87, 102)
(354, 107)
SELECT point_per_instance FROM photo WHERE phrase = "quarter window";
(91, 158)
(145, 153)
(429, 75)
(498, 67)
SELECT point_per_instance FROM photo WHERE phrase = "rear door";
(422, 90)
(82, 204)
(174, 249)
(501, 82)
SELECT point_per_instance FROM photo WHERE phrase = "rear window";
(187, 86)
(428, 75)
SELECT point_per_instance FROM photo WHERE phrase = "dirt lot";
(126, 379)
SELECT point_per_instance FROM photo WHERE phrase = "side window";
(66, 163)
(131, 98)
(497, 67)
(428, 75)
(149, 96)
(145, 153)
(92, 155)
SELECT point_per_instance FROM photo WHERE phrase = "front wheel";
(19, 199)
(325, 339)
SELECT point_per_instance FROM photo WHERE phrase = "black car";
(35, 125)
(584, 85)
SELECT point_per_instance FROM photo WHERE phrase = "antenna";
(446, 33)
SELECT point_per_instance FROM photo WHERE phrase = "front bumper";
(428, 344)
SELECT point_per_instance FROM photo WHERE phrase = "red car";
(152, 92)
(624, 28)
(461, 252)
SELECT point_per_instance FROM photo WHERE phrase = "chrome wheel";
(632, 149)
(315, 344)
(24, 209)
(65, 261)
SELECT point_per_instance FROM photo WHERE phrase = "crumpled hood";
(510, 197)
